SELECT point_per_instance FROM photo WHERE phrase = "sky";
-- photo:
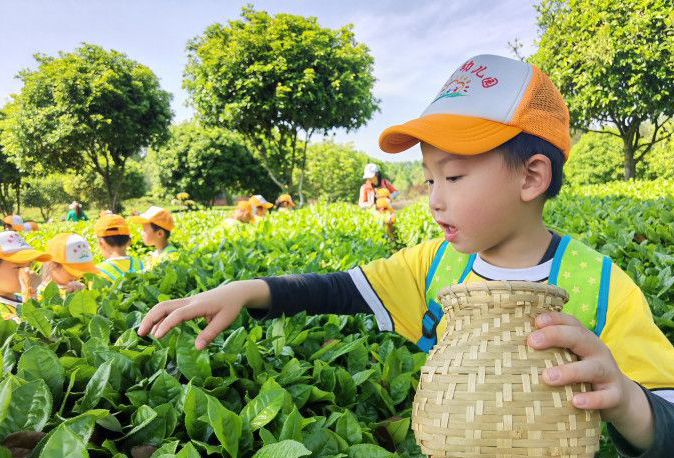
(416, 45)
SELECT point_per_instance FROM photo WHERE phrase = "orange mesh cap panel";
(542, 112)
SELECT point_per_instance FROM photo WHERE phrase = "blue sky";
(416, 44)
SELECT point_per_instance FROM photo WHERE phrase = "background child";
(260, 205)
(14, 223)
(285, 202)
(494, 142)
(113, 241)
(71, 258)
(157, 226)
(16, 256)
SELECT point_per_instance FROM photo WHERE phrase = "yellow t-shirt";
(394, 288)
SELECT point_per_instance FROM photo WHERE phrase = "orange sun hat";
(13, 248)
(259, 201)
(155, 215)
(487, 101)
(15, 222)
(285, 198)
(111, 224)
(73, 252)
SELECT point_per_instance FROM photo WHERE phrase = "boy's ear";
(537, 177)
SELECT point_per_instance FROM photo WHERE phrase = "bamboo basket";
(481, 392)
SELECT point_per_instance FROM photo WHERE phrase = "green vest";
(583, 272)
(113, 270)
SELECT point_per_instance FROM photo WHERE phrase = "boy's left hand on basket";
(620, 400)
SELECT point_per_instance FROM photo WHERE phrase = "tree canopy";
(277, 80)
(614, 64)
(90, 109)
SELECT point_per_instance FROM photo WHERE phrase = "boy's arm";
(663, 434)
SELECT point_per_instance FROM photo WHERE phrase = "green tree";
(205, 162)
(278, 80)
(88, 111)
(45, 193)
(614, 64)
(10, 180)
(89, 187)
(334, 171)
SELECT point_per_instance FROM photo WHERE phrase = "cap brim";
(456, 134)
(26, 256)
(267, 205)
(79, 269)
(138, 220)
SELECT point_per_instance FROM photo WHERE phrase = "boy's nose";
(436, 201)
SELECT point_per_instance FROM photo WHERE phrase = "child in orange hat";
(243, 213)
(113, 241)
(387, 215)
(71, 258)
(157, 226)
(16, 256)
(14, 223)
(260, 205)
(285, 202)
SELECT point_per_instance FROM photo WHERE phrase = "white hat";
(370, 171)
(73, 205)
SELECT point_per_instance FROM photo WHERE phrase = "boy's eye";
(453, 179)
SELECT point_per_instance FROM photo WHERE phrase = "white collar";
(492, 272)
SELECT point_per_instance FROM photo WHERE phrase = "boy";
(285, 203)
(157, 226)
(16, 256)
(113, 241)
(260, 206)
(494, 141)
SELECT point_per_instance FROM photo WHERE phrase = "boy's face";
(9, 276)
(59, 274)
(149, 235)
(475, 199)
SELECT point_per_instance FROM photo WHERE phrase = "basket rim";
(504, 286)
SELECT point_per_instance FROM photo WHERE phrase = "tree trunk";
(18, 198)
(630, 164)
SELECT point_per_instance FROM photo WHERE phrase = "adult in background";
(76, 213)
(373, 181)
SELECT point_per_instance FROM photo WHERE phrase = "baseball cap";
(111, 224)
(370, 171)
(155, 215)
(258, 201)
(487, 101)
(73, 253)
(285, 198)
(13, 248)
(15, 221)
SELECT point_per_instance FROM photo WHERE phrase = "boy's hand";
(29, 281)
(620, 400)
(73, 286)
(219, 306)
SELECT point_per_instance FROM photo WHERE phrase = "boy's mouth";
(449, 230)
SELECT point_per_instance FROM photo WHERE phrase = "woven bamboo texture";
(481, 392)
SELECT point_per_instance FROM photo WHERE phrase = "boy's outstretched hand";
(620, 401)
(219, 306)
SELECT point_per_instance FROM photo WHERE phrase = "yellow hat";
(487, 101)
(285, 198)
(259, 201)
(13, 248)
(15, 222)
(110, 225)
(73, 253)
(31, 226)
(155, 215)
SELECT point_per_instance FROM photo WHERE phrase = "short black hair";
(522, 146)
(117, 240)
(159, 228)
